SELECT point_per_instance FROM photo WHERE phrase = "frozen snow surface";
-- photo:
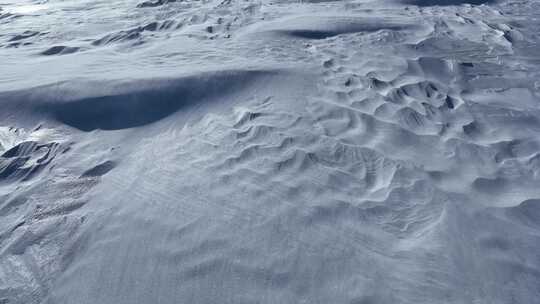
(272, 151)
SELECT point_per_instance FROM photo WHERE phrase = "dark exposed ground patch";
(154, 3)
(100, 169)
(60, 50)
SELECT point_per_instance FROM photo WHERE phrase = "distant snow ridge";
(447, 2)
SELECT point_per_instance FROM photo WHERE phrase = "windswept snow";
(246, 151)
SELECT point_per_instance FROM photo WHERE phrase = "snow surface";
(273, 151)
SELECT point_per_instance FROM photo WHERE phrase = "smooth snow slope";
(245, 151)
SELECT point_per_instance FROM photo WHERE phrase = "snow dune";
(269, 152)
(120, 105)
